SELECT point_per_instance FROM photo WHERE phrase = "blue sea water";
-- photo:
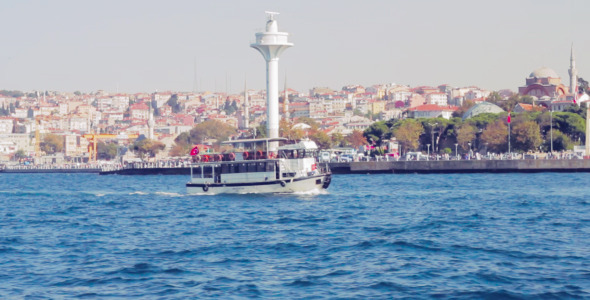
(494, 236)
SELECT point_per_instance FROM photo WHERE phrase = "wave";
(170, 194)
(138, 193)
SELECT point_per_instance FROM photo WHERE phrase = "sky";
(146, 46)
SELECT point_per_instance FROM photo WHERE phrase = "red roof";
(139, 106)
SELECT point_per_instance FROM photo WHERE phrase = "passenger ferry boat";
(252, 168)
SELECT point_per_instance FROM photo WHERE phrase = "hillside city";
(384, 119)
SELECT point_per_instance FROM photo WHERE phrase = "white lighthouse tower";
(271, 43)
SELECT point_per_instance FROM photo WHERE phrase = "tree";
(210, 129)
(356, 138)
(408, 133)
(260, 131)
(179, 150)
(526, 136)
(20, 154)
(174, 104)
(571, 124)
(583, 85)
(106, 151)
(338, 140)
(52, 143)
(435, 129)
(465, 134)
(560, 142)
(309, 121)
(286, 130)
(378, 132)
(495, 135)
(482, 121)
(147, 147)
(322, 139)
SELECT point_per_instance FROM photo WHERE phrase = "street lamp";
(428, 157)
(456, 156)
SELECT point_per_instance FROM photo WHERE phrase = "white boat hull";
(296, 185)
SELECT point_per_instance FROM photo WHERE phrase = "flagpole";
(551, 130)
(508, 119)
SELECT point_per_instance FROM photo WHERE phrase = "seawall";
(424, 167)
(49, 170)
(463, 166)
(364, 167)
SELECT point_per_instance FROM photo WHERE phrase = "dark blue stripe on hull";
(212, 185)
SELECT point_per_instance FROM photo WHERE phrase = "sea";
(388, 236)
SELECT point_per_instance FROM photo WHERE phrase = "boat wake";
(138, 193)
(169, 194)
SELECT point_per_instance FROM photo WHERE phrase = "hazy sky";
(145, 46)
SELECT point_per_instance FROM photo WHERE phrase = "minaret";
(271, 43)
(573, 73)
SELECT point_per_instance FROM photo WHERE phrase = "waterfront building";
(560, 105)
(524, 107)
(543, 82)
(481, 108)
(139, 111)
(431, 111)
(438, 98)
(6, 124)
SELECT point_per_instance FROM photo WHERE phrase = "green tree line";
(529, 131)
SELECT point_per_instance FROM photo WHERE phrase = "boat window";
(197, 172)
(270, 167)
(225, 168)
(230, 168)
(251, 167)
(207, 171)
(243, 168)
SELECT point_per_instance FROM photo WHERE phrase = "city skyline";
(143, 46)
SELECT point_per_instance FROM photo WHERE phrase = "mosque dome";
(544, 72)
(481, 108)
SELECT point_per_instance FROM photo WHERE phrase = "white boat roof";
(255, 140)
(304, 144)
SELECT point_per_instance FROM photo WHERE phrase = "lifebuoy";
(259, 152)
(218, 157)
(205, 188)
(283, 184)
(205, 158)
(232, 156)
(246, 154)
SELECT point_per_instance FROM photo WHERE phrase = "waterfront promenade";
(356, 167)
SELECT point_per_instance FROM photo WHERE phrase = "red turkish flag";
(194, 151)
(508, 117)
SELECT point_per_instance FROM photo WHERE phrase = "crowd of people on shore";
(185, 162)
